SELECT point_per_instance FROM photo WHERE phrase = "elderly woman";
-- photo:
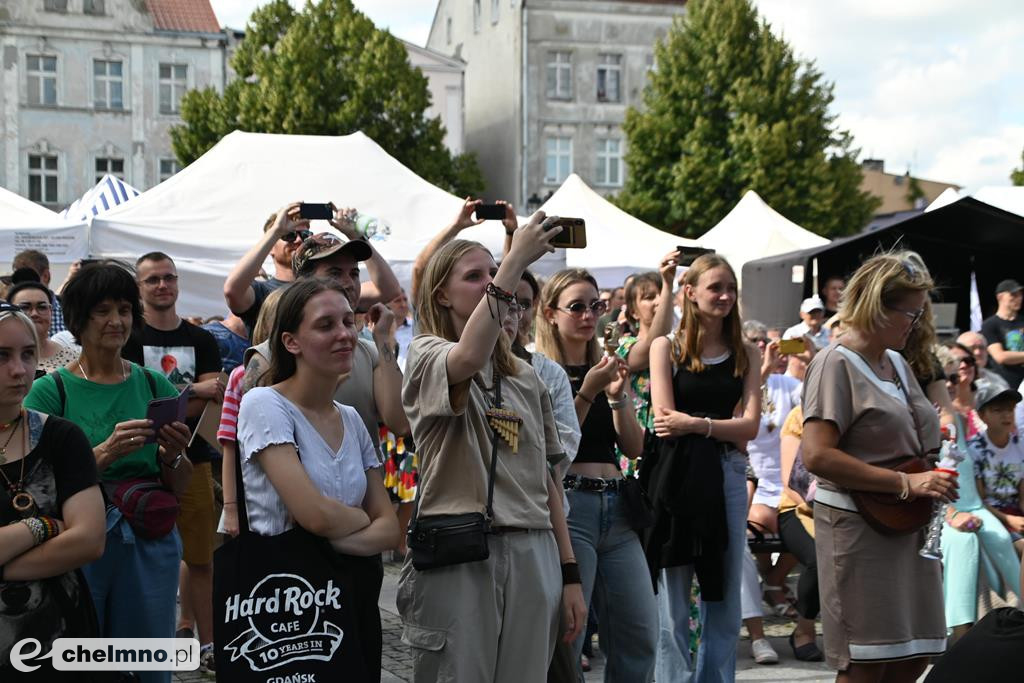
(36, 301)
(863, 414)
(51, 512)
(133, 585)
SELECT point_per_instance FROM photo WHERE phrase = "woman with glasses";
(962, 383)
(601, 525)
(493, 619)
(134, 583)
(705, 388)
(36, 301)
(881, 605)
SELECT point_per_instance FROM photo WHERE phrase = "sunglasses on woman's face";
(290, 237)
(578, 309)
(953, 378)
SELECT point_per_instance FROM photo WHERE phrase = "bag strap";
(243, 514)
(494, 451)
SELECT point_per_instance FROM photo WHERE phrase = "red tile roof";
(193, 16)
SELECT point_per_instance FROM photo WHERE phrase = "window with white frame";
(109, 165)
(609, 78)
(41, 71)
(168, 167)
(42, 178)
(609, 162)
(559, 75)
(476, 16)
(557, 159)
(108, 84)
(494, 10)
(173, 82)
(95, 7)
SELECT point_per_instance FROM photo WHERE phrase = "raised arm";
(639, 357)
(387, 376)
(462, 221)
(238, 292)
(476, 343)
(382, 285)
(313, 511)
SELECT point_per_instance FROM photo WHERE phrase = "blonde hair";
(876, 286)
(436, 320)
(266, 318)
(688, 341)
(549, 341)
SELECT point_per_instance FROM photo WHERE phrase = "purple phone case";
(164, 411)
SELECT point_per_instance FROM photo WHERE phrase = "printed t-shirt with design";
(1001, 471)
(97, 408)
(1009, 334)
(453, 439)
(182, 355)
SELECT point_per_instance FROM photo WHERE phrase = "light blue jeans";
(616, 578)
(720, 621)
(134, 585)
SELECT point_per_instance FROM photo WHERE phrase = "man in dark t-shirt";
(186, 355)
(1004, 333)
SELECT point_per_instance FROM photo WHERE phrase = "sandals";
(808, 652)
(784, 608)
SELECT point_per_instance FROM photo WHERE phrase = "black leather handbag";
(443, 540)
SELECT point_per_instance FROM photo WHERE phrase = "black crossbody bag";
(443, 540)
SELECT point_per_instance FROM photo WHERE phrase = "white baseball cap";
(813, 303)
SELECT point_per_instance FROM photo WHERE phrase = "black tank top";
(713, 392)
(597, 443)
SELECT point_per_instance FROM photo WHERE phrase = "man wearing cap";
(1004, 333)
(812, 315)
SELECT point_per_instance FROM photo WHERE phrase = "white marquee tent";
(26, 225)
(754, 230)
(210, 213)
(617, 243)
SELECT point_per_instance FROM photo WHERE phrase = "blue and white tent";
(109, 192)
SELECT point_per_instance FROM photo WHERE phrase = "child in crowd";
(998, 455)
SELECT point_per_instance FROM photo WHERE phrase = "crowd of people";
(546, 458)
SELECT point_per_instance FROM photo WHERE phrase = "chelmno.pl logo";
(109, 654)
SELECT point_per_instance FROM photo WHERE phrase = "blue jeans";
(133, 586)
(615, 576)
(720, 621)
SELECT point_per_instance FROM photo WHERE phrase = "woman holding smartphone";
(493, 619)
(601, 523)
(705, 387)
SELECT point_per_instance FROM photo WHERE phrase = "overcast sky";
(936, 86)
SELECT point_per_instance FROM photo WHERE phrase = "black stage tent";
(965, 236)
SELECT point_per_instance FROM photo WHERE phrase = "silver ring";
(133, 439)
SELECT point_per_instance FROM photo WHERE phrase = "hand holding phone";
(789, 347)
(573, 234)
(687, 255)
(316, 211)
(164, 411)
(490, 212)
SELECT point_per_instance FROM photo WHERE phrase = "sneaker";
(206, 658)
(763, 652)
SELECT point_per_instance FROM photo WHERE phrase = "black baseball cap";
(1008, 286)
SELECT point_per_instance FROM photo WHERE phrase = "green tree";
(1017, 174)
(730, 109)
(325, 70)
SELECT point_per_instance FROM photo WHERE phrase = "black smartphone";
(687, 255)
(490, 212)
(573, 234)
(163, 411)
(316, 212)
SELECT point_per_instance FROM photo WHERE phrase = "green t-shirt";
(96, 408)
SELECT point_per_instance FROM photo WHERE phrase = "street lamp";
(533, 203)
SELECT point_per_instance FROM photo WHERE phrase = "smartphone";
(573, 234)
(612, 333)
(316, 212)
(490, 212)
(687, 255)
(791, 346)
(164, 411)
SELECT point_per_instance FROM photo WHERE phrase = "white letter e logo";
(17, 657)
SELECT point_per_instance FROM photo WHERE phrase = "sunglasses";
(578, 309)
(953, 378)
(301, 235)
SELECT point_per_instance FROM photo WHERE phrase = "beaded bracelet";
(499, 294)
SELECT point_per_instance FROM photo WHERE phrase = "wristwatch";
(173, 465)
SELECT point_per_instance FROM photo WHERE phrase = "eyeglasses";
(302, 235)
(155, 280)
(28, 307)
(578, 309)
(915, 316)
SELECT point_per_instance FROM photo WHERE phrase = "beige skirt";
(880, 600)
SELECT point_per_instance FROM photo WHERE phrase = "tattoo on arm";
(387, 354)
(254, 372)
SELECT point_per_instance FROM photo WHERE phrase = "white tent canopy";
(108, 193)
(754, 230)
(210, 213)
(617, 243)
(26, 225)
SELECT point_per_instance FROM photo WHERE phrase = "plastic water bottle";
(371, 227)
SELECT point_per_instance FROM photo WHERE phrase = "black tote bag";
(289, 606)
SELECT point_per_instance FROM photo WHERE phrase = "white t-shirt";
(765, 450)
(267, 418)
